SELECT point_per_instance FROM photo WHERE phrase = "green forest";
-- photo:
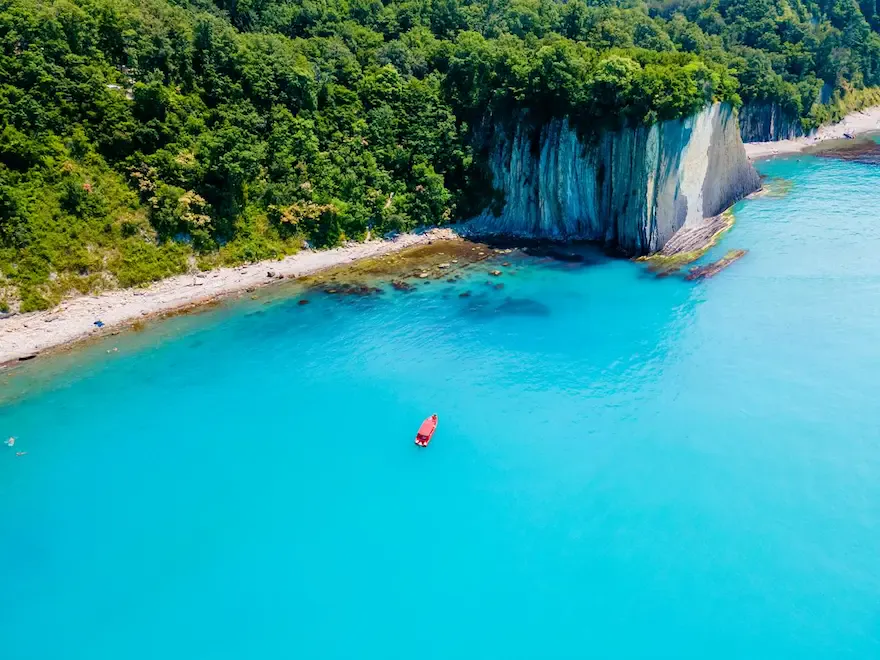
(145, 138)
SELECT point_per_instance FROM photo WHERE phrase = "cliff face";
(632, 189)
(765, 122)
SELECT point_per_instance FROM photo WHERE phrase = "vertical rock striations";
(631, 189)
(766, 122)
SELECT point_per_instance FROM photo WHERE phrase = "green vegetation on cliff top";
(142, 138)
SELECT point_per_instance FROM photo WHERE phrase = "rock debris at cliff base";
(697, 237)
(688, 244)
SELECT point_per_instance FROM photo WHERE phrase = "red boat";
(426, 431)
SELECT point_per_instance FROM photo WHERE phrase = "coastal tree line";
(143, 137)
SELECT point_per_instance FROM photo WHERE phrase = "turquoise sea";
(625, 466)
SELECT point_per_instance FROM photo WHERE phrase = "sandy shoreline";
(25, 335)
(855, 123)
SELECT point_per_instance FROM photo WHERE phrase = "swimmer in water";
(11, 442)
(20, 453)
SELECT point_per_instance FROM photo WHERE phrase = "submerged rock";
(353, 289)
(554, 254)
(776, 187)
(711, 270)
(863, 150)
(688, 244)
(523, 307)
(485, 306)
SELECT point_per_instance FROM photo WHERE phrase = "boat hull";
(426, 431)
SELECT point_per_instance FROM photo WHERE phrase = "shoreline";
(24, 336)
(855, 123)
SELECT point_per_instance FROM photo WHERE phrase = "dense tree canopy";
(140, 135)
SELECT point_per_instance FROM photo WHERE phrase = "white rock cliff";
(630, 189)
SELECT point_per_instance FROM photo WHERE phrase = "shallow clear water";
(624, 466)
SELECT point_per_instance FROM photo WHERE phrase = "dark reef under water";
(454, 265)
(864, 149)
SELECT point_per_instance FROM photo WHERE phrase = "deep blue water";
(624, 467)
